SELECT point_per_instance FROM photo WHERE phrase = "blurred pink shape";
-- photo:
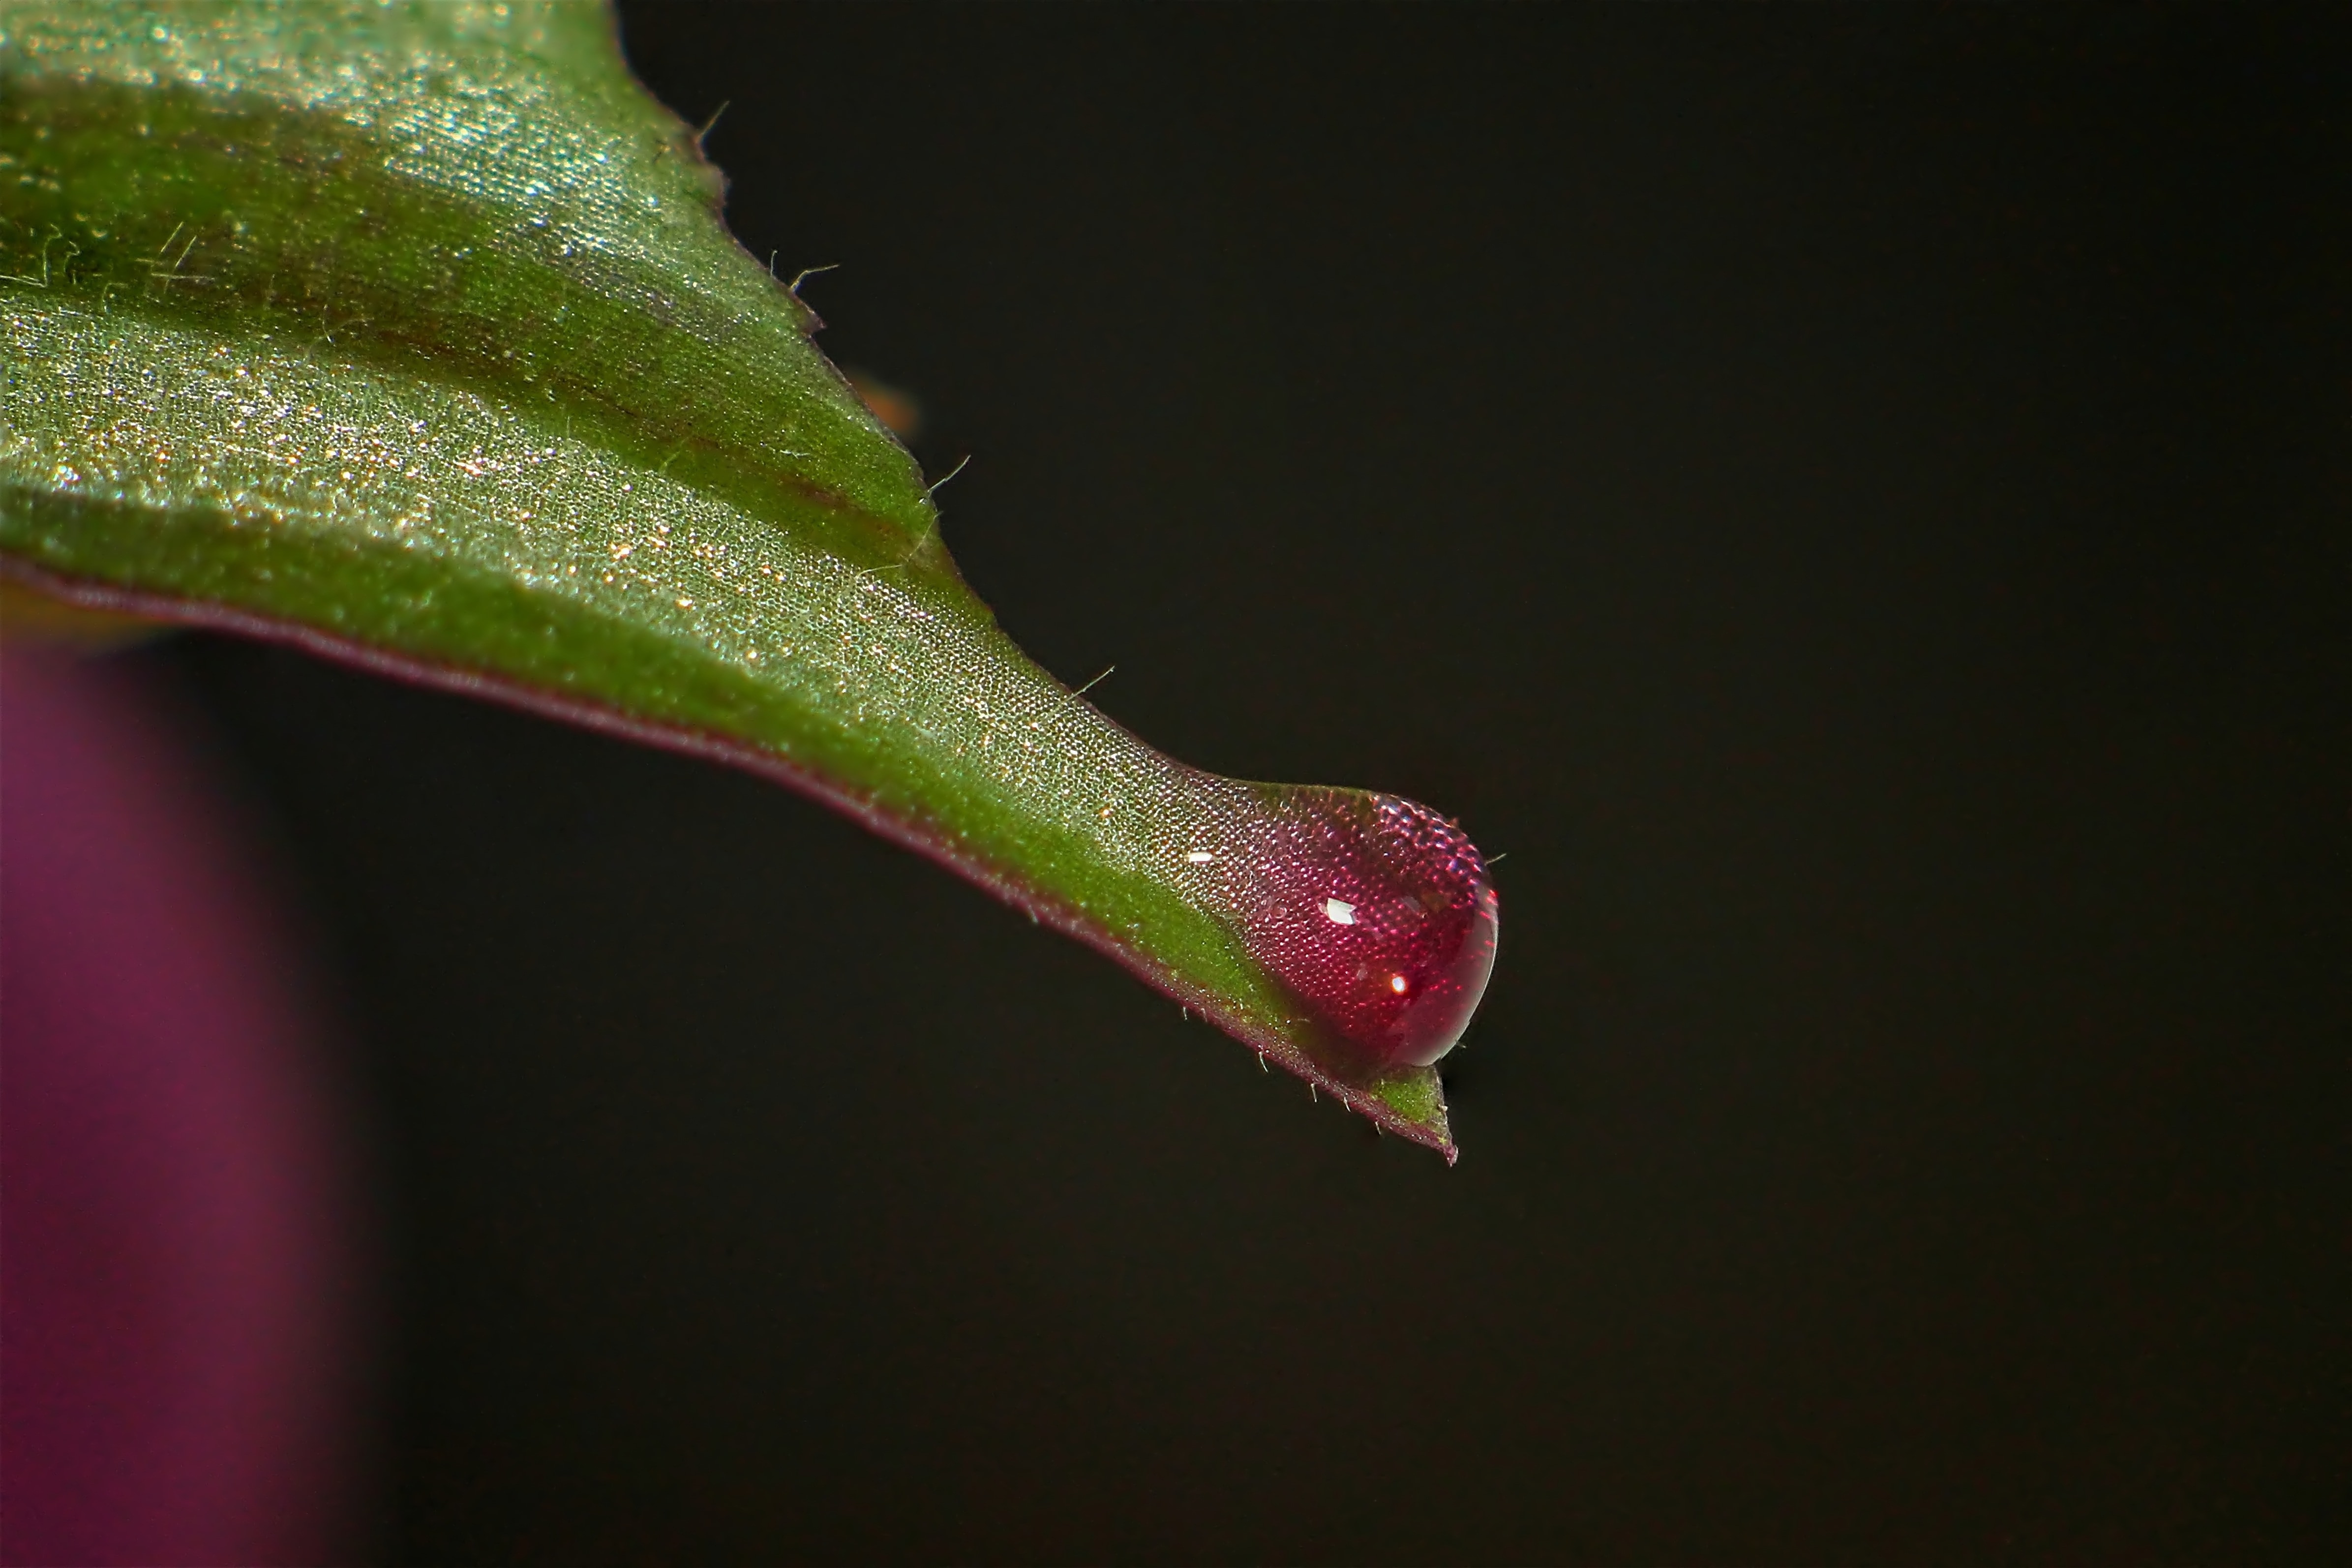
(176, 1299)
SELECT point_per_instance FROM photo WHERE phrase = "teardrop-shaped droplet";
(1377, 914)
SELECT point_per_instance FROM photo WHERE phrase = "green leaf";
(413, 336)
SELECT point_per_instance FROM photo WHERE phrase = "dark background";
(1851, 503)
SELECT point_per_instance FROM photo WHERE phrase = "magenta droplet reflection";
(1377, 913)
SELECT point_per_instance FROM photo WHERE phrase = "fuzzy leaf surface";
(414, 336)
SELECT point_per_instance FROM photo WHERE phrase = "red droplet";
(1377, 913)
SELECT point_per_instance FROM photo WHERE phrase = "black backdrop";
(1850, 503)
